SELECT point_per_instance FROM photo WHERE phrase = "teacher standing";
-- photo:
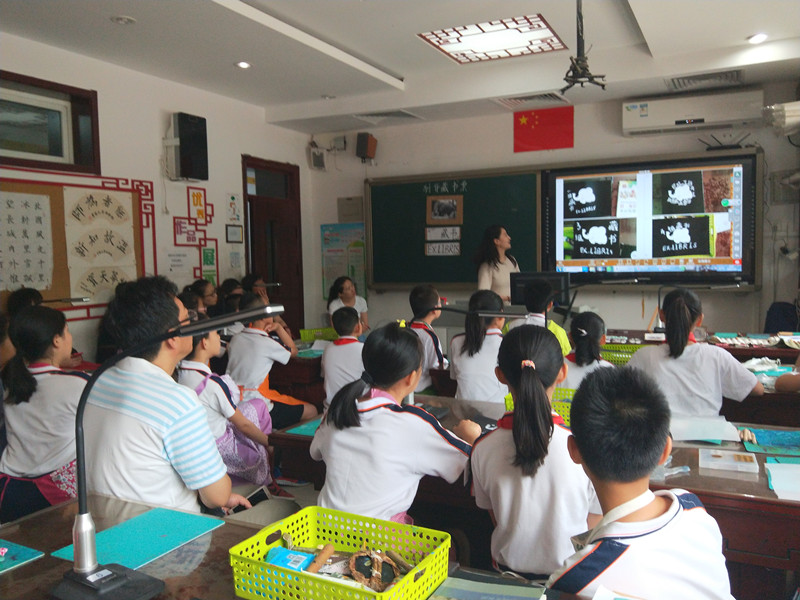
(495, 265)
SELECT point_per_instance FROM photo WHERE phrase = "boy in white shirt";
(656, 546)
(425, 304)
(341, 360)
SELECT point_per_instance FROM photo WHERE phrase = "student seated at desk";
(343, 293)
(425, 301)
(658, 546)
(694, 377)
(473, 354)
(147, 437)
(251, 354)
(240, 429)
(587, 332)
(789, 382)
(37, 467)
(341, 360)
(522, 472)
(375, 450)
(539, 296)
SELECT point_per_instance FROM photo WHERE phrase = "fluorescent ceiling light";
(504, 38)
(243, 64)
(757, 38)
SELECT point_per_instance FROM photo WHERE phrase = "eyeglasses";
(213, 293)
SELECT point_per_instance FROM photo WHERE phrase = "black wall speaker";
(191, 151)
(366, 146)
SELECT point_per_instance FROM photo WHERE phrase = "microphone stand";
(88, 579)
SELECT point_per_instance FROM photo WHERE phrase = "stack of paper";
(784, 478)
(714, 429)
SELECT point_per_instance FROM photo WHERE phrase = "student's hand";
(747, 436)
(274, 326)
(73, 361)
(234, 501)
(467, 430)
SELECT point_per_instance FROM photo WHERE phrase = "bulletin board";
(73, 236)
(426, 229)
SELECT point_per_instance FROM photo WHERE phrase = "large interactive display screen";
(688, 220)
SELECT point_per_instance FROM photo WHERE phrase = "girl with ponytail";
(522, 472)
(37, 468)
(376, 450)
(473, 354)
(587, 333)
(694, 377)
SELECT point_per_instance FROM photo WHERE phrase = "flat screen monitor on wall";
(558, 281)
(691, 220)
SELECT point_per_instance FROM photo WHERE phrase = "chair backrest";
(782, 316)
(562, 407)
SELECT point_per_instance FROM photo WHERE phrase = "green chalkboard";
(427, 228)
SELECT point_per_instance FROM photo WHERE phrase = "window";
(48, 125)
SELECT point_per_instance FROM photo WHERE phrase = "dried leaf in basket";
(373, 569)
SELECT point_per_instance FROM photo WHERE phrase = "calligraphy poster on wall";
(26, 245)
(99, 232)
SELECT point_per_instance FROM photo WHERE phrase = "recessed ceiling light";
(504, 38)
(123, 20)
(328, 97)
(243, 64)
(757, 38)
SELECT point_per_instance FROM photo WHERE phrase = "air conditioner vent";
(546, 100)
(706, 81)
(393, 115)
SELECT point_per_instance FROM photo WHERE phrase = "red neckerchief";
(507, 420)
(344, 341)
(571, 357)
(419, 325)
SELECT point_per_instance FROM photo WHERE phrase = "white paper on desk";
(702, 428)
(785, 480)
(320, 345)
(604, 593)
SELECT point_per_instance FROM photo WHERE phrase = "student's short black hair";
(141, 310)
(620, 421)
(19, 299)
(190, 300)
(251, 300)
(538, 294)
(345, 320)
(423, 298)
(249, 280)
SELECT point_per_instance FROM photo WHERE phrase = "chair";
(782, 316)
(562, 403)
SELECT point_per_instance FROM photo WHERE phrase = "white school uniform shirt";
(675, 555)
(497, 277)
(360, 305)
(147, 438)
(251, 354)
(475, 374)
(535, 515)
(576, 372)
(433, 357)
(695, 382)
(217, 396)
(374, 469)
(341, 364)
(41, 431)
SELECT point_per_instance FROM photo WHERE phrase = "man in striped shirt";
(147, 438)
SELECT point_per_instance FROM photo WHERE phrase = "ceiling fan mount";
(578, 72)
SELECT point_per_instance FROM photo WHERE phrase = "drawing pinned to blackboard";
(445, 210)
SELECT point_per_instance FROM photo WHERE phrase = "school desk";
(300, 378)
(198, 569)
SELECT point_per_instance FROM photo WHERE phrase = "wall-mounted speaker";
(316, 158)
(187, 147)
(366, 145)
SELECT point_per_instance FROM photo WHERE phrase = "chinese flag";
(545, 129)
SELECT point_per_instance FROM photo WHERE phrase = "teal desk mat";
(309, 428)
(787, 460)
(146, 537)
(773, 441)
(16, 555)
(309, 353)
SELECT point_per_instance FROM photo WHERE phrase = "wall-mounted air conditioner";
(690, 113)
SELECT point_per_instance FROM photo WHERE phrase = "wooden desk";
(300, 378)
(776, 409)
(761, 533)
(199, 569)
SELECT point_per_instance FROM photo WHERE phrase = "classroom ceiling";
(337, 65)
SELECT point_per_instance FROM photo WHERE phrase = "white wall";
(134, 114)
(486, 143)
(134, 110)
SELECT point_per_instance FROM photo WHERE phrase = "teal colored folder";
(145, 537)
(16, 555)
(309, 428)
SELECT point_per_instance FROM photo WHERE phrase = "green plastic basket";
(253, 578)
(323, 333)
(618, 354)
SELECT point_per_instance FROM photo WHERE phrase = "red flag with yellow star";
(544, 129)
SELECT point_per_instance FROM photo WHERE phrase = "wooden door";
(274, 243)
